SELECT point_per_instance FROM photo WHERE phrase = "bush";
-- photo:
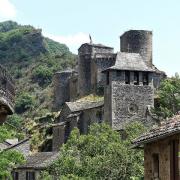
(9, 160)
(42, 75)
(24, 102)
(15, 120)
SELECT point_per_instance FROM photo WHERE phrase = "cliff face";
(32, 60)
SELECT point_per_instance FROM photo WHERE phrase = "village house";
(76, 114)
(161, 150)
(34, 165)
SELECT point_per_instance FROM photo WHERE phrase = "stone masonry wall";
(161, 147)
(58, 137)
(61, 88)
(22, 173)
(129, 102)
(87, 78)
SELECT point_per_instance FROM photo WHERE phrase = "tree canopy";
(168, 97)
(101, 154)
(8, 160)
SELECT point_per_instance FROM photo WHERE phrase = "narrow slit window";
(145, 79)
(136, 78)
(155, 165)
(127, 77)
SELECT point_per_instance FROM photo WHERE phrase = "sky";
(71, 21)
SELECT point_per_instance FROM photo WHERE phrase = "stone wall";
(58, 137)
(138, 41)
(100, 63)
(162, 148)
(88, 71)
(89, 117)
(22, 173)
(73, 87)
(84, 70)
(127, 102)
(61, 88)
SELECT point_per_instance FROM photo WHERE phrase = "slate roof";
(79, 106)
(39, 160)
(130, 61)
(17, 144)
(165, 129)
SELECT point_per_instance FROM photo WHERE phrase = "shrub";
(24, 102)
(42, 75)
(15, 120)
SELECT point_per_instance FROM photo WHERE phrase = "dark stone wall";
(100, 63)
(58, 137)
(84, 69)
(127, 102)
(163, 149)
(73, 87)
(88, 70)
(61, 88)
(138, 41)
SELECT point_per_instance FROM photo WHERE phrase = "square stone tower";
(92, 59)
(129, 90)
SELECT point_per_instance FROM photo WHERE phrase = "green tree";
(24, 102)
(9, 160)
(42, 75)
(168, 97)
(15, 120)
(101, 154)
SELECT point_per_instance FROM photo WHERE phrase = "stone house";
(34, 165)
(76, 114)
(161, 150)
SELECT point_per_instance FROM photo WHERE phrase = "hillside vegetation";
(31, 59)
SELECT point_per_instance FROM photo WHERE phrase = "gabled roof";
(39, 160)
(131, 62)
(167, 128)
(83, 105)
(17, 144)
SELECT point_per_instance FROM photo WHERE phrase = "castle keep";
(127, 80)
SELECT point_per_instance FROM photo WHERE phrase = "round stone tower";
(138, 41)
(61, 88)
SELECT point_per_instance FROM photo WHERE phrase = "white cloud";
(7, 9)
(72, 41)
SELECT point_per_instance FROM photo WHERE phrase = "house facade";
(161, 151)
(34, 165)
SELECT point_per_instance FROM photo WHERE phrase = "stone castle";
(127, 80)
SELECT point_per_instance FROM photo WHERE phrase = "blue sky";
(71, 22)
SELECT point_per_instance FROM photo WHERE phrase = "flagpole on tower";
(90, 39)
